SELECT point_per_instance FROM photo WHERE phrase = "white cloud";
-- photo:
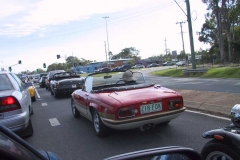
(7, 8)
(58, 12)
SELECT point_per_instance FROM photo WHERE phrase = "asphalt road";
(56, 130)
(201, 84)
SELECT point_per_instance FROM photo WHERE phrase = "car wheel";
(33, 99)
(51, 91)
(216, 149)
(28, 131)
(75, 112)
(55, 95)
(31, 110)
(100, 129)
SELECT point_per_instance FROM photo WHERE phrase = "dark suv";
(50, 77)
(124, 67)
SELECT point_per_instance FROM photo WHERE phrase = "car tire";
(75, 112)
(33, 99)
(56, 95)
(216, 148)
(31, 111)
(51, 91)
(100, 129)
(28, 131)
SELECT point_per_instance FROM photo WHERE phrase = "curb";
(208, 108)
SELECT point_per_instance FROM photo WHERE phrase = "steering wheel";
(119, 81)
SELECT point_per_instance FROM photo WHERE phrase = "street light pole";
(107, 33)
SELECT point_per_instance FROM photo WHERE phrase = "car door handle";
(86, 94)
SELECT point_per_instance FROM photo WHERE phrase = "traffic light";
(44, 65)
(19, 62)
(58, 56)
(10, 69)
(37, 70)
(75, 64)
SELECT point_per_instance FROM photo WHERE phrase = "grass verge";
(221, 72)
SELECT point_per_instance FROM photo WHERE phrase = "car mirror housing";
(166, 153)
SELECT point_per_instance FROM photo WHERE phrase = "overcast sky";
(36, 31)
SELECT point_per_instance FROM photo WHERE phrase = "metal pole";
(105, 51)
(182, 41)
(190, 35)
(107, 34)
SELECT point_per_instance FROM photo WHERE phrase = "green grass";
(221, 72)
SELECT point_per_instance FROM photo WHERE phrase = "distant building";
(91, 67)
(174, 54)
(197, 58)
(148, 61)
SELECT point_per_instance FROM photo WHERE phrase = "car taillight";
(126, 113)
(9, 104)
(173, 104)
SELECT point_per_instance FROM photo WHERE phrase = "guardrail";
(198, 70)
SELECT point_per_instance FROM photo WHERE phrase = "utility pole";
(190, 32)
(105, 50)
(190, 35)
(106, 31)
(182, 40)
(165, 45)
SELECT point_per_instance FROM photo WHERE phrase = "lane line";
(44, 104)
(54, 122)
(36, 91)
(228, 119)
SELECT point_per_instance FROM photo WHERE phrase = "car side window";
(19, 84)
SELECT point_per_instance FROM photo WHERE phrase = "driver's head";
(128, 76)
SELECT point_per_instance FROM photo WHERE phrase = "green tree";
(130, 52)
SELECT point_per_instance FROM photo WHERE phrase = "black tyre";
(28, 131)
(33, 99)
(56, 95)
(100, 129)
(75, 112)
(51, 91)
(31, 111)
(216, 149)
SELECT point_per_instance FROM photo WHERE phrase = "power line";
(138, 14)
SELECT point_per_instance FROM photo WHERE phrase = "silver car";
(15, 104)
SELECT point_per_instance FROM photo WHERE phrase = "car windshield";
(110, 80)
(5, 83)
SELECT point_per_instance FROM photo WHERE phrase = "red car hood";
(128, 97)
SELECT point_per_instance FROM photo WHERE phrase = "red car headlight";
(173, 104)
(126, 113)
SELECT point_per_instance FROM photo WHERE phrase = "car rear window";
(5, 83)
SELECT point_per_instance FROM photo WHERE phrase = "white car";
(36, 79)
(137, 66)
(15, 104)
(181, 63)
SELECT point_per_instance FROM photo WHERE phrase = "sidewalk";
(217, 103)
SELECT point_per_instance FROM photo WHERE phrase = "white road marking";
(36, 92)
(54, 122)
(209, 115)
(44, 104)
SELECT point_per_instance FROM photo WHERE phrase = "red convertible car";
(109, 101)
